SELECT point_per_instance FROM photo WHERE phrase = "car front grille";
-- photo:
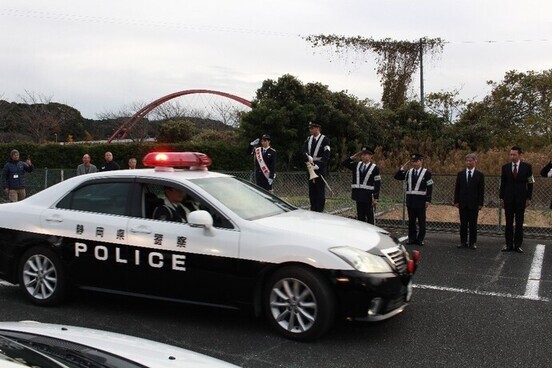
(396, 256)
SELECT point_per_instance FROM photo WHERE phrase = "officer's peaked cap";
(416, 156)
(367, 150)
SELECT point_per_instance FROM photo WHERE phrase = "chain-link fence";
(391, 211)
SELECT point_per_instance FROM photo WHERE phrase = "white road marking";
(533, 282)
(478, 292)
(5, 283)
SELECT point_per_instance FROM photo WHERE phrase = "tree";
(397, 60)
(175, 131)
(283, 108)
(517, 111)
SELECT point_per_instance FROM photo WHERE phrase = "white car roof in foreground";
(146, 352)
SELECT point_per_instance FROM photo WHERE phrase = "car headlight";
(361, 260)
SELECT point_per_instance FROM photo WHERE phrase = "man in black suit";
(516, 191)
(316, 151)
(419, 187)
(265, 161)
(469, 193)
(366, 183)
(546, 172)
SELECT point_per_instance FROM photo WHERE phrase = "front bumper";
(372, 297)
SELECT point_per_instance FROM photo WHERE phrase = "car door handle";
(54, 219)
(140, 230)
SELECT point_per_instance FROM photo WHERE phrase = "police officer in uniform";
(419, 187)
(265, 161)
(316, 150)
(366, 183)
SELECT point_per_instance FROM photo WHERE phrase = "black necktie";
(415, 176)
(469, 176)
(515, 171)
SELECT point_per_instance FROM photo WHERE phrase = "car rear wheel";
(299, 303)
(41, 276)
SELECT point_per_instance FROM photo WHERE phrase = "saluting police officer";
(419, 187)
(265, 161)
(366, 183)
(316, 150)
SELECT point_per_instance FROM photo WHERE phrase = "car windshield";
(243, 198)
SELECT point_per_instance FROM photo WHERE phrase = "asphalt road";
(479, 308)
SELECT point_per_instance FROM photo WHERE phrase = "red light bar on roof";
(192, 160)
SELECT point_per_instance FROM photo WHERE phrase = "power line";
(177, 25)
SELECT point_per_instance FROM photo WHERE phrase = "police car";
(32, 344)
(239, 247)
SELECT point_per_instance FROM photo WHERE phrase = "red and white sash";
(262, 164)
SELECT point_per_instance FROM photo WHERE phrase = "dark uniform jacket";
(364, 190)
(13, 175)
(109, 166)
(520, 188)
(269, 157)
(418, 192)
(546, 170)
(320, 152)
(469, 195)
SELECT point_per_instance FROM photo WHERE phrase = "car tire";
(41, 276)
(299, 303)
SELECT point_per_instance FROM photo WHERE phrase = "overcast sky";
(99, 56)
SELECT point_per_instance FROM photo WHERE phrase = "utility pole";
(422, 73)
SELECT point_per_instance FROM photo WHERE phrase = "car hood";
(329, 229)
(146, 352)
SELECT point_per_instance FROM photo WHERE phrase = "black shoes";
(518, 249)
(462, 245)
(473, 246)
(507, 248)
(421, 243)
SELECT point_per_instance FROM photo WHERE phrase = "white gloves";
(255, 142)
(316, 167)
(310, 159)
(270, 181)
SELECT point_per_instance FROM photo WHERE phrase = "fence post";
(45, 177)
(499, 211)
(61, 175)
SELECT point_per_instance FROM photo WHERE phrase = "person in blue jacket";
(13, 176)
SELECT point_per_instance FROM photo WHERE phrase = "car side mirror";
(200, 218)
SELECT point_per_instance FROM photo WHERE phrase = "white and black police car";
(239, 247)
(32, 344)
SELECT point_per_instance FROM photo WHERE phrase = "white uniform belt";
(362, 186)
(416, 192)
(317, 158)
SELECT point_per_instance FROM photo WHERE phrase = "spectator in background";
(13, 176)
(86, 167)
(516, 191)
(546, 172)
(132, 163)
(469, 193)
(109, 164)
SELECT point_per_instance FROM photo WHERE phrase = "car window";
(153, 195)
(109, 198)
(244, 199)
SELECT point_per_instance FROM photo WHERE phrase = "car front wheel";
(299, 303)
(41, 276)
